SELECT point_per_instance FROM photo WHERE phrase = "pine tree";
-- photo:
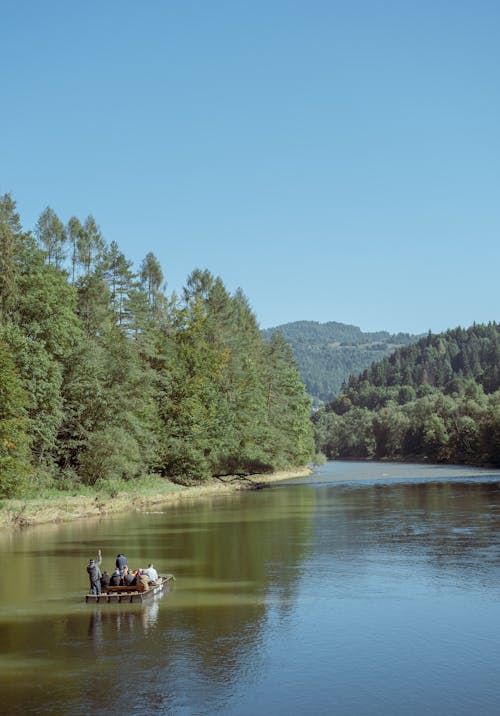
(121, 282)
(288, 408)
(51, 233)
(152, 278)
(74, 233)
(10, 240)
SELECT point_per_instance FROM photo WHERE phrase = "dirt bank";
(65, 507)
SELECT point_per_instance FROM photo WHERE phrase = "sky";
(338, 161)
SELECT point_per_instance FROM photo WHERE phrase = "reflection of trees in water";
(237, 562)
(246, 553)
(230, 557)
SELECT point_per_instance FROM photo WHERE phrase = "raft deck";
(113, 595)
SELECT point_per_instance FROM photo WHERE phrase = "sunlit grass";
(49, 503)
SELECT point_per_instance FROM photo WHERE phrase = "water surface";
(365, 588)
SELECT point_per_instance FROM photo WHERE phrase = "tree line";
(437, 399)
(328, 353)
(104, 377)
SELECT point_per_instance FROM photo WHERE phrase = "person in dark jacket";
(128, 578)
(115, 578)
(121, 562)
(94, 572)
(105, 579)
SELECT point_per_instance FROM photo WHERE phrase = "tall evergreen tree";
(121, 281)
(152, 278)
(10, 239)
(74, 233)
(288, 407)
(51, 233)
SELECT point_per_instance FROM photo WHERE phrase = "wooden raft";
(136, 593)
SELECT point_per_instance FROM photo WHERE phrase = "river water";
(365, 588)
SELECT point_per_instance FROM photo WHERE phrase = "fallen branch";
(239, 476)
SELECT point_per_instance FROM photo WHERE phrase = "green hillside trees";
(437, 399)
(106, 378)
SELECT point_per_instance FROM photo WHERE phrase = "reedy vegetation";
(438, 399)
(104, 377)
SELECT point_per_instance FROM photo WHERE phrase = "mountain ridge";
(328, 353)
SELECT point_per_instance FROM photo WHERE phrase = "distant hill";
(438, 399)
(328, 353)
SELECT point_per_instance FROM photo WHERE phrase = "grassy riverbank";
(55, 506)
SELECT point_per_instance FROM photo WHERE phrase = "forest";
(437, 400)
(105, 377)
(328, 353)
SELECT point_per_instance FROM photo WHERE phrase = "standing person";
(95, 574)
(121, 562)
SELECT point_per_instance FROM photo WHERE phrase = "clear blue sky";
(336, 160)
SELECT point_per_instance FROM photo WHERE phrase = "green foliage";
(11, 255)
(110, 453)
(105, 378)
(230, 403)
(442, 361)
(288, 406)
(52, 235)
(14, 441)
(152, 278)
(446, 411)
(328, 353)
(41, 378)
(188, 399)
(110, 412)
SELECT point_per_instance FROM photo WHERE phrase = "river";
(365, 588)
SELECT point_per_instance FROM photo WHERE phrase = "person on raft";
(121, 562)
(94, 572)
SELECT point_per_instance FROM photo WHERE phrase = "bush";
(111, 454)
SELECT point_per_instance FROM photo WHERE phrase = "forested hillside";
(328, 353)
(438, 399)
(104, 377)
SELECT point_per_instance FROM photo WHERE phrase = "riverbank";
(142, 496)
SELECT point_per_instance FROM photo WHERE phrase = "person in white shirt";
(152, 573)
